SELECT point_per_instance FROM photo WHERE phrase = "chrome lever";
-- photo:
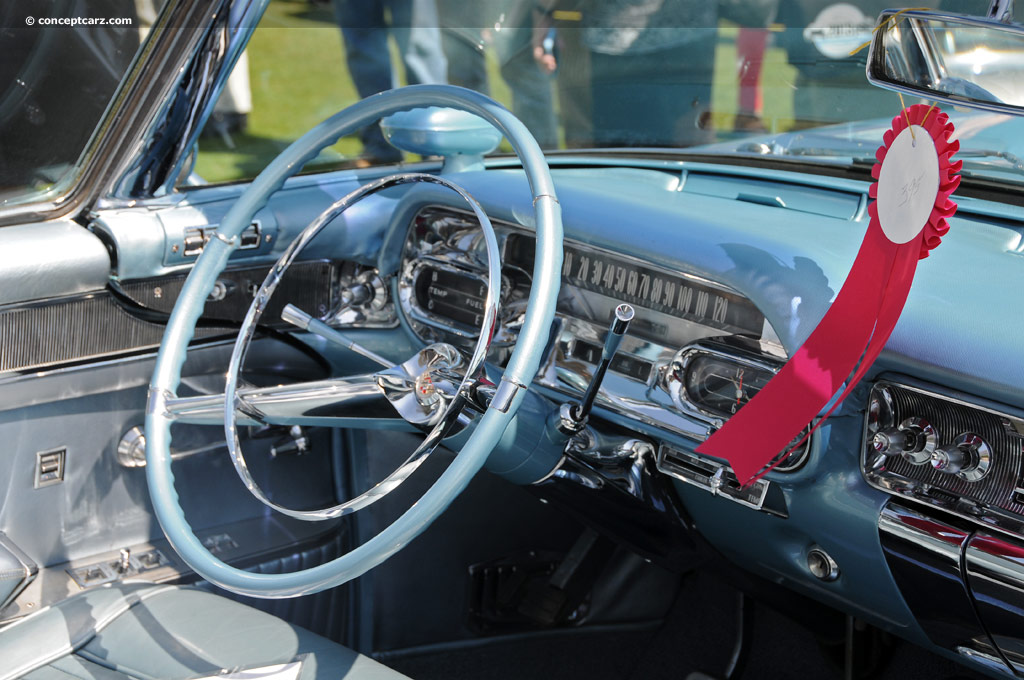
(575, 417)
(300, 319)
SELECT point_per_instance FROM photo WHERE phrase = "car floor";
(696, 638)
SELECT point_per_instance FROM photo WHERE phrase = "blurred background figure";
(558, 50)
(532, 97)
(750, 47)
(651, 67)
(468, 29)
(464, 29)
(365, 27)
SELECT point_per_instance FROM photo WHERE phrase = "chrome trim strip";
(991, 557)
(958, 400)
(922, 531)
(990, 662)
(506, 392)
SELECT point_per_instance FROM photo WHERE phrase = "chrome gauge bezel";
(673, 381)
(407, 293)
(674, 377)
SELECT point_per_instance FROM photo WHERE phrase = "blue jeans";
(365, 29)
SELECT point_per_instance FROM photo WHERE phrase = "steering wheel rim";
(521, 368)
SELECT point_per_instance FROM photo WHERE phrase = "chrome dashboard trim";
(682, 359)
(922, 531)
(977, 511)
(407, 292)
(671, 380)
(449, 230)
(714, 476)
(505, 228)
(991, 557)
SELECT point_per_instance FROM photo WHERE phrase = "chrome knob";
(821, 565)
(914, 440)
(356, 295)
(949, 459)
(131, 450)
(968, 456)
(889, 442)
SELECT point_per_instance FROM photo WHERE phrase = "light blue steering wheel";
(521, 368)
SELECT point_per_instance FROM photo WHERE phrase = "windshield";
(773, 78)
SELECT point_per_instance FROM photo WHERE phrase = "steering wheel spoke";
(354, 401)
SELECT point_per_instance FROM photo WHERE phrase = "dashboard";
(696, 350)
(722, 291)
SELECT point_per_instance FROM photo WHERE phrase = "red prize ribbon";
(915, 177)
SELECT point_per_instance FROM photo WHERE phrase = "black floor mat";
(605, 656)
(696, 637)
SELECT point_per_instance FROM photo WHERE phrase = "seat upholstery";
(146, 631)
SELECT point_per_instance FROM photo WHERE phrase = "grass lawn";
(298, 77)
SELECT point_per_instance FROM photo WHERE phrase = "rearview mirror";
(959, 60)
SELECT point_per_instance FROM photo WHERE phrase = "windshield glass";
(62, 63)
(774, 78)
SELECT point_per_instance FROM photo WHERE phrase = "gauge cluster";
(695, 353)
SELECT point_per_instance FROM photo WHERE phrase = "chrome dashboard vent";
(912, 434)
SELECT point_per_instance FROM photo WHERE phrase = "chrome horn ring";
(233, 402)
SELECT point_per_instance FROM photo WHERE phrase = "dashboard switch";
(821, 565)
(967, 456)
(914, 440)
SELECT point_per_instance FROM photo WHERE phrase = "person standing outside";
(365, 27)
